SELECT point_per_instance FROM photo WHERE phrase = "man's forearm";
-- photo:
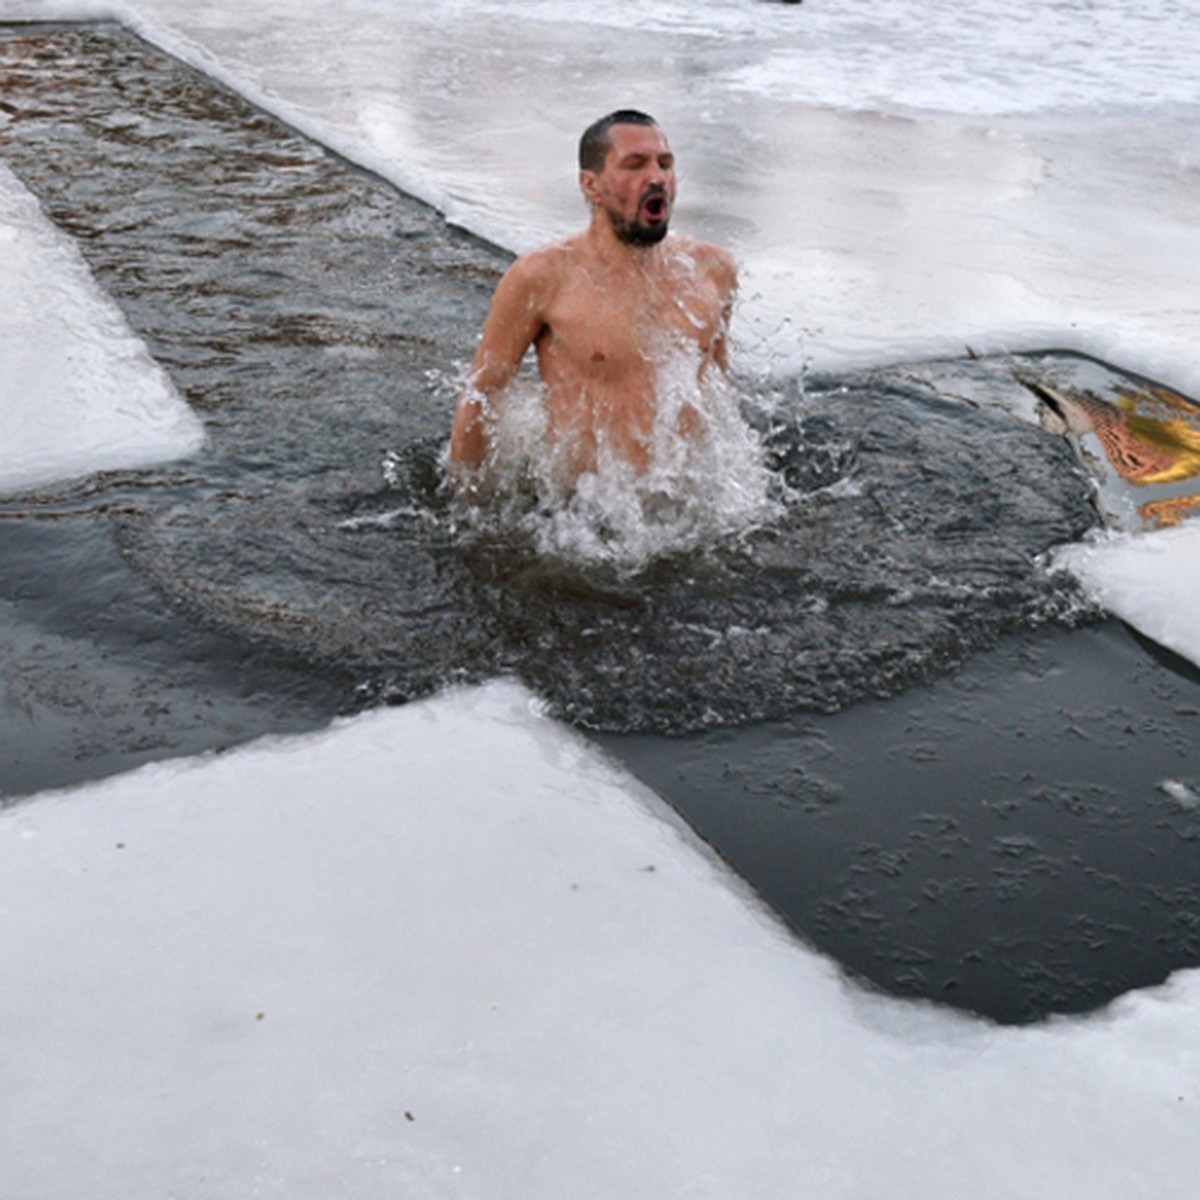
(469, 436)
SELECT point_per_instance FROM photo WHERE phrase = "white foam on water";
(79, 392)
(448, 950)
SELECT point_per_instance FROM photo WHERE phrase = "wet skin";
(604, 310)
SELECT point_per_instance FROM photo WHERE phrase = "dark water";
(307, 562)
(100, 675)
(999, 839)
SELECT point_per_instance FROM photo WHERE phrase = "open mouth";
(654, 208)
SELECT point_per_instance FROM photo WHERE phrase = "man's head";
(596, 142)
(627, 172)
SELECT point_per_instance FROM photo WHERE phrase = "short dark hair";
(595, 143)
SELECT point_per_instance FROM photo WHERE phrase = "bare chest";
(612, 330)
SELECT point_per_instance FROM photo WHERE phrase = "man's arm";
(725, 276)
(514, 320)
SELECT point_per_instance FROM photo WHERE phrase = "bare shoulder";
(712, 261)
(722, 265)
(540, 271)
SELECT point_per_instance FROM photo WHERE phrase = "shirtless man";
(603, 311)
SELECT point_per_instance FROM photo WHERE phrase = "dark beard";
(634, 233)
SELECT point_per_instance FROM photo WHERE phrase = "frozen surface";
(78, 391)
(1150, 580)
(447, 950)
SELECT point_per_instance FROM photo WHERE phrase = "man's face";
(636, 187)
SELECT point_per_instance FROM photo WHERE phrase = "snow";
(79, 392)
(423, 954)
(448, 950)
(1151, 580)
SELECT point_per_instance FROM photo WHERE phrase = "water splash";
(708, 480)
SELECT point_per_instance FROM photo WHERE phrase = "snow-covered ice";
(448, 950)
(79, 392)
(1149, 579)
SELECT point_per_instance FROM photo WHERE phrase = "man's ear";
(589, 185)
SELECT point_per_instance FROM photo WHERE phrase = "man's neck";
(618, 252)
